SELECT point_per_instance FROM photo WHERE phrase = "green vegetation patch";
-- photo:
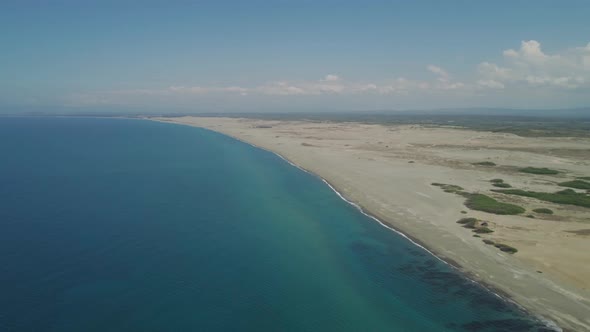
(537, 170)
(481, 202)
(584, 178)
(470, 224)
(466, 220)
(484, 163)
(500, 183)
(506, 248)
(567, 196)
(483, 230)
(476, 225)
(578, 184)
(543, 211)
(486, 241)
(448, 188)
(485, 203)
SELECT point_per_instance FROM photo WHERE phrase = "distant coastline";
(470, 276)
(474, 275)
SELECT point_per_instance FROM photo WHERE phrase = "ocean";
(134, 225)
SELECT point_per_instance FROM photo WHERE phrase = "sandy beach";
(389, 171)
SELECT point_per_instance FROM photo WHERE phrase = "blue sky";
(299, 55)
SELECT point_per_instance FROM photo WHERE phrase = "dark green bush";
(448, 188)
(483, 230)
(538, 170)
(470, 225)
(466, 220)
(578, 184)
(506, 248)
(485, 203)
(484, 163)
(543, 210)
(567, 196)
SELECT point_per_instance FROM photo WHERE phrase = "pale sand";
(369, 165)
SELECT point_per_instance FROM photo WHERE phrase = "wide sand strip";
(388, 171)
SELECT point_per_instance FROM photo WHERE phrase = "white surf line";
(547, 322)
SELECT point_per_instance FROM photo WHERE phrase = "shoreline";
(460, 268)
(448, 261)
(504, 296)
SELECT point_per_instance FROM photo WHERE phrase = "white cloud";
(202, 90)
(439, 71)
(490, 84)
(444, 80)
(331, 85)
(531, 66)
(328, 85)
(331, 78)
(510, 53)
(281, 89)
(493, 71)
(529, 70)
(530, 50)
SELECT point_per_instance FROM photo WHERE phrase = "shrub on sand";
(538, 170)
(484, 163)
(506, 248)
(485, 203)
(543, 211)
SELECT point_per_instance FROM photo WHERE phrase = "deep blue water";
(130, 225)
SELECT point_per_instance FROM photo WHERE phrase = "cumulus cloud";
(530, 50)
(531, 66)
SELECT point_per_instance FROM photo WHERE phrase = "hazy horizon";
(581, 112)
(288, 56)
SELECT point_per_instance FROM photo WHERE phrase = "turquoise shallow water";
(130, 225)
